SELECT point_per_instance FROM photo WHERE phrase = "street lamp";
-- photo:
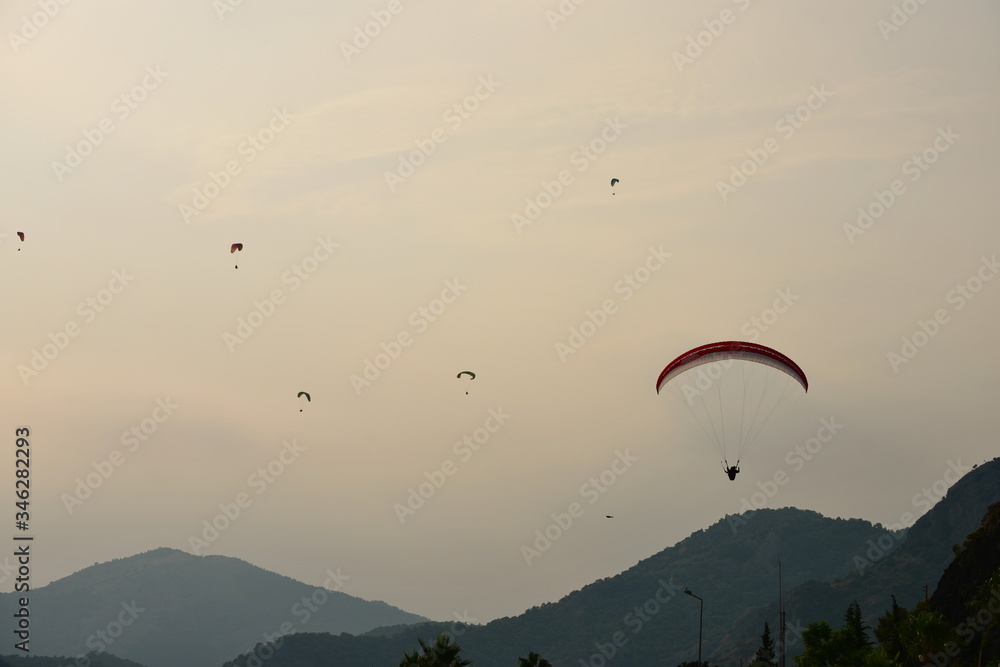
(701, 607)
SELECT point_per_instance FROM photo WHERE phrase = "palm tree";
(410, 659)
(925, 632)
(533, 660)
(443, 653)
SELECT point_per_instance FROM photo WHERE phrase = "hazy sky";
(384, 189)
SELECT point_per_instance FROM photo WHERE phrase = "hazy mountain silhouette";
(184, 610)
(732, 565)
(893, 563)
(168, 608)
(655, 622)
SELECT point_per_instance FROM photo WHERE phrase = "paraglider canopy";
(235, 247)
(20, 235)
(613, 181)
(713, 352)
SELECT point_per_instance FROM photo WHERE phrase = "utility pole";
(781, 620)
(701, 607)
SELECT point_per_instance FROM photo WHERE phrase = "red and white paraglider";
(732, 389)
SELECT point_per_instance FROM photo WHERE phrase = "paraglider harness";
(730, 470)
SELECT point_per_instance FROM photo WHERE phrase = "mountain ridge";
(138, 606)
(638, 617)
(581, 627)
(900, 565)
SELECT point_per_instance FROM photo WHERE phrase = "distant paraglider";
(471, 375)
(613, 181)
(20, 235)
(308, 397)
(234, 248)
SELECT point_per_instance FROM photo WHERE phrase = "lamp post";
(701, 607)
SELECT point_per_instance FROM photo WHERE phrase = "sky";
(423, 188)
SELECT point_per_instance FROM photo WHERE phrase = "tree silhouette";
(818, 650)
(889, 632)
(988, 640)
(925, 632)
(443, 653)
(880, 658)
(853, 637)
(533, 660)
(765, 654)
(850, 645)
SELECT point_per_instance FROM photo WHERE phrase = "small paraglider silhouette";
(234, 248)
(608, 516)
(469, 373)
(20, 235)
(308, 397)
(613, 181)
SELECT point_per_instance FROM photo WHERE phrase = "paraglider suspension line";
(786, 392)
(723, 423)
